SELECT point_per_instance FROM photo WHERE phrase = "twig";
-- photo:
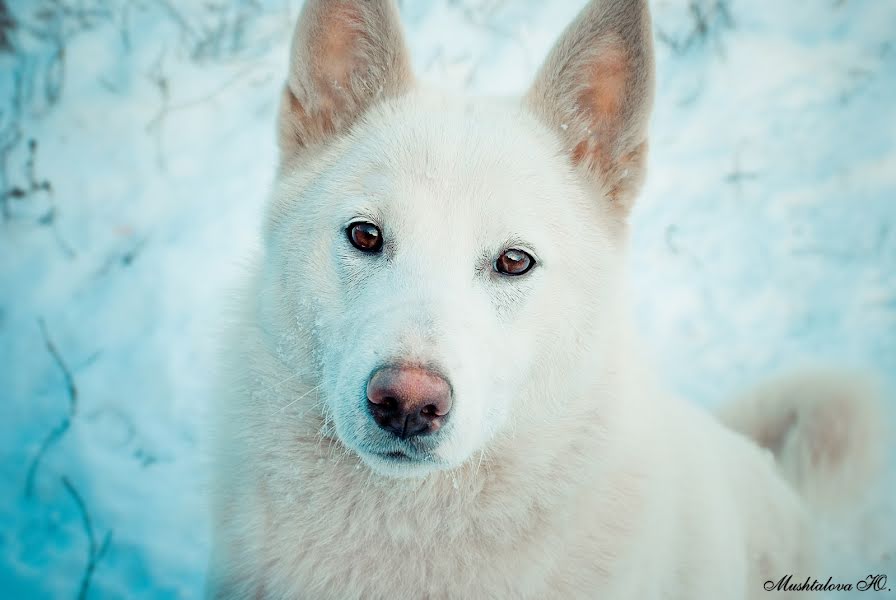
(57, 432)
(124, 259)
(178, 18)
(66, 372)
(94, 552)
(7, 26)
(157, 77)
(738, 175)
(33, 184)
(157, 123)
(54, 436)
(706, 16)
(9, 139)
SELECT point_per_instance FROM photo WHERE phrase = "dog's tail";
(826, 430)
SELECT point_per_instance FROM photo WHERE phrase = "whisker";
(479, 464)
(282, 408)
(279, 383)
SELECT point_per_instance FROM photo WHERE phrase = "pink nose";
(408, 401)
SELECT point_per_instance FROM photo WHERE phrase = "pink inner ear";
(346, 54)
(321, 125)
(336, 44)
(333, 46)
(602, 103)
(608, 80)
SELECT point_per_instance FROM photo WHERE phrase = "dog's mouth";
(397, 455)
(402, 456)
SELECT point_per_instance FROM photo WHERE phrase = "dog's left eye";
(514, 262)
(366, 237)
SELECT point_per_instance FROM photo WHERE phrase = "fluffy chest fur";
(645, 514)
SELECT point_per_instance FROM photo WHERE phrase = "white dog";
(432, 390)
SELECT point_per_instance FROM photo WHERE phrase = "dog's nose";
(408, 401)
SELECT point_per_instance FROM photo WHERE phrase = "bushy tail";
(826, 430)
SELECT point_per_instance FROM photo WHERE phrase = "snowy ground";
(136, 148)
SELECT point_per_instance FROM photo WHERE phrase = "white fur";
(562, 471)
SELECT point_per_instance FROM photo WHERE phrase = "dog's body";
(553, 468)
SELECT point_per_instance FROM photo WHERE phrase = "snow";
(136, 151)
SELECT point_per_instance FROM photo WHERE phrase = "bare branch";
(66, 372)
(7, 26)
(709, 18)
(60, 430)
(94, 552)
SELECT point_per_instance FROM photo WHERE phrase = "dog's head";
(449, 266)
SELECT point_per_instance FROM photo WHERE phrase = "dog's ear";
(346, 54)
(596, 91)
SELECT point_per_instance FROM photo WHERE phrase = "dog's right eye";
(366, 237)
(514, 262)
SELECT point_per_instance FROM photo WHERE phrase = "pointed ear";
(596, 91)
(346, 54)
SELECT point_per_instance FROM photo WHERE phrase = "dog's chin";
(398, 465)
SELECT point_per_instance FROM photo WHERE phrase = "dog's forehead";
(456, 152)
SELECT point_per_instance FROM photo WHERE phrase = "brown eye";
(514, 262)
(366, 237)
